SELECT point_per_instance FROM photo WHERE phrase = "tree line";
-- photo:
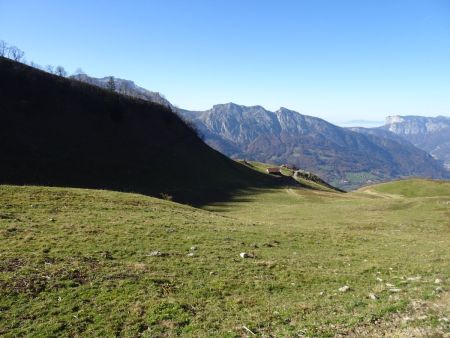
(14, 53)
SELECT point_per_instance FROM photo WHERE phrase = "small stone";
(439, 289)
(156, 254)
(373, 296)
(345, 288)
(106, 255)
(395, 290)
(379, 279)
(246, 255)
(51, 219)
(321, 293)
(412, 279)
(437, 281)
(191, 254)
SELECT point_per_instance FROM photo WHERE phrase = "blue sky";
(339, 60)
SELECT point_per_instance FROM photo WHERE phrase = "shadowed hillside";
(61, 132)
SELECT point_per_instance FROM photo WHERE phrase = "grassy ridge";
(76, 262)
(413, 188)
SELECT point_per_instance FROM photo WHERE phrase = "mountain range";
(346, 157)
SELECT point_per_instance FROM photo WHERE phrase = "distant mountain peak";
(431, 134)
(393, 119)
(232, 105)
(286, 110)
(227, 105)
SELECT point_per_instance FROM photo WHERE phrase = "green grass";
(414, 188)
(76, 262)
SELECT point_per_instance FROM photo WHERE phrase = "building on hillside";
(275, 171)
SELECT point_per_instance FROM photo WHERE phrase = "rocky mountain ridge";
(431, 134)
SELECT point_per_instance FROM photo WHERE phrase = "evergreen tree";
(111, 85)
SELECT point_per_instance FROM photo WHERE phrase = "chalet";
(275, 171)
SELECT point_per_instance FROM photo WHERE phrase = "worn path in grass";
(79, 262)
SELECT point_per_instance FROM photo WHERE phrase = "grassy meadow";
(97, 263)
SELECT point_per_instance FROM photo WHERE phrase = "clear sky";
(339, 60)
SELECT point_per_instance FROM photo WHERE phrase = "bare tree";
(15, 53)
(50, 69)
(3, 48)
(35, 65)
(60, 71)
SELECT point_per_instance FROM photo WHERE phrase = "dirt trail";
(372, 192)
